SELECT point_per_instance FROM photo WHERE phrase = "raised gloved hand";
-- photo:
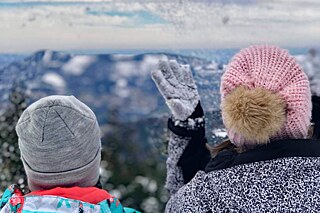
(176, 84)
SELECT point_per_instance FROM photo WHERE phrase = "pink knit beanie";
(265, 95)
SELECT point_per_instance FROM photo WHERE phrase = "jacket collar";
(91, 195)
(270, 151)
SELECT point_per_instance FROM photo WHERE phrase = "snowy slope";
(110, 82)
(311, 65)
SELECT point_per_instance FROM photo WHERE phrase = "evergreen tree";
(10, 164)
(131, 169)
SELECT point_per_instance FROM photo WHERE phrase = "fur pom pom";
(256, 114)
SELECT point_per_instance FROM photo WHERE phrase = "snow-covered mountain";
(311, 65)
(106, 82)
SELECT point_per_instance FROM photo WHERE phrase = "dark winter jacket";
(282, 176)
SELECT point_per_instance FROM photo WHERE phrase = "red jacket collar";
(91, 195)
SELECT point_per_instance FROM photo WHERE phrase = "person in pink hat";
(269, 162)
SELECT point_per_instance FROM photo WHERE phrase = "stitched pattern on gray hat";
(59, 134)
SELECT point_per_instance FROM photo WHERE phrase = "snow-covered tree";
(10, 164)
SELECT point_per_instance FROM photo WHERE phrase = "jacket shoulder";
(196, 196)
(13, 200)
(253, 187)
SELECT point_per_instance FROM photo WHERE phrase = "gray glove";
(176, 84)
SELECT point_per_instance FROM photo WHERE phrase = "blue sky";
(28, 26)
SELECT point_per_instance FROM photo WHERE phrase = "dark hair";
(98, 184)
(224, 145)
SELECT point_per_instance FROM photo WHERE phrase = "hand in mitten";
(175, 83)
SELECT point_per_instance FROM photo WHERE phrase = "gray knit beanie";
(60, 145)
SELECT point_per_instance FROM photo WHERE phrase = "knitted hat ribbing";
(272, 72)
(60, 145)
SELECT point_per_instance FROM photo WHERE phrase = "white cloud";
(50, 1)
(190, 24)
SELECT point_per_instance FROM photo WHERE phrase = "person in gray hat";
(60, 145)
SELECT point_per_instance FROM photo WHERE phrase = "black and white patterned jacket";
(282, 176)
